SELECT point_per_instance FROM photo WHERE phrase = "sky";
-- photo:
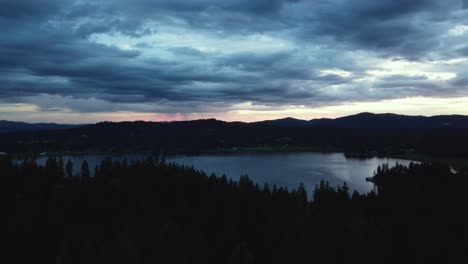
(83, 61)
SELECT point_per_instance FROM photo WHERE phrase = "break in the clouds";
(204, 57)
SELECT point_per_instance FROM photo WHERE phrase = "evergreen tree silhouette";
(69, 168)
(85, 175)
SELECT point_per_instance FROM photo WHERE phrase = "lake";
(282, 169)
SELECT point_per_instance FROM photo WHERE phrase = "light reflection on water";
(282, 169)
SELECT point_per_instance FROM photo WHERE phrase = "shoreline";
(413, 156)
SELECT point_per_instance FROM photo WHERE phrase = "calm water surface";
(282, 169)
(290, 169)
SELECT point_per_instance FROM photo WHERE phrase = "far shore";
(408, 155)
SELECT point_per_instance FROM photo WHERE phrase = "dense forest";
(364, 134)
(151, 211)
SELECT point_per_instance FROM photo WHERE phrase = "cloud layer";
(205, 56)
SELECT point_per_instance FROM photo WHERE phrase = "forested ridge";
(155, 212)
(362, 134)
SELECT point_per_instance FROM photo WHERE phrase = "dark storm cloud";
(397, 27)
(462, 51)
(27, 8)
(51, 47)
(464, 4)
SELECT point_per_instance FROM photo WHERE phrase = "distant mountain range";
(11, 126)
(378, 121)
(361, 133)
(362, 120)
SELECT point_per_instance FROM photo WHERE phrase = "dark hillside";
(363, 133)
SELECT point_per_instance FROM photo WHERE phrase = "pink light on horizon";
(154, 117)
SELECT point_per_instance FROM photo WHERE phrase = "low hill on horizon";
(15, 126)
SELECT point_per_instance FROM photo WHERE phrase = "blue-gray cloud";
(205, 52)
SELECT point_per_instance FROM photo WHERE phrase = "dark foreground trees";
(153, 212)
